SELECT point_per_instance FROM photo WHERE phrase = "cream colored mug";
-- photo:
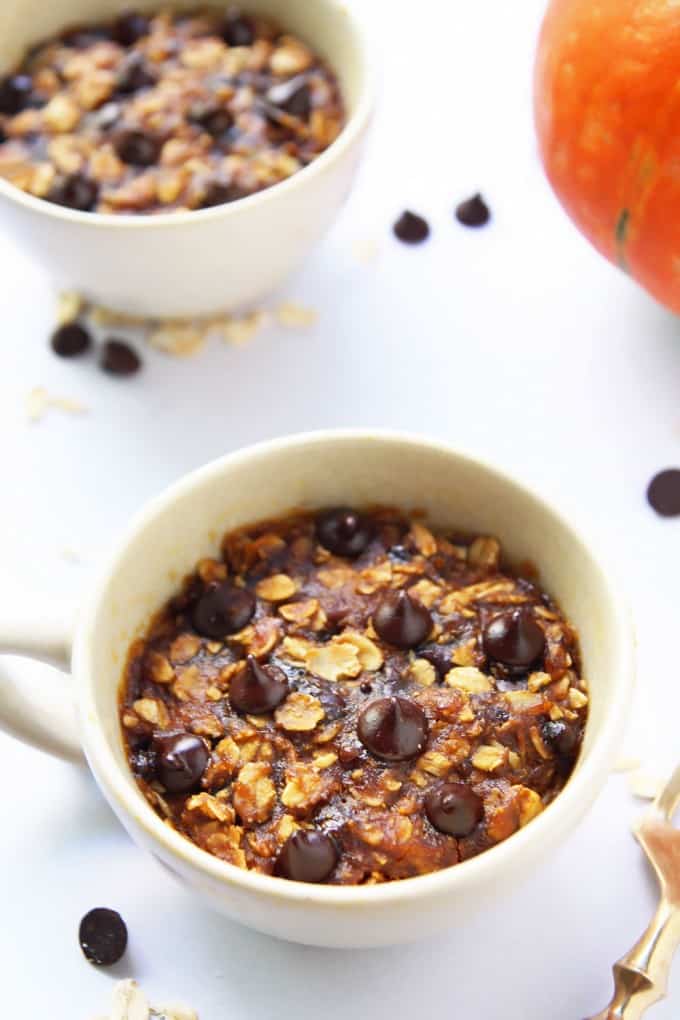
(315, 470)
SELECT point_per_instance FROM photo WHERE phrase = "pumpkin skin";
(607, 106)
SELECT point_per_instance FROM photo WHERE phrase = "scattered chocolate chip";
(181, 759)
(401, 621)
(70, 340)
(562, 737)
(343, 532)
(220, 194)
(514, 638)
(238, 31)
(222, 610)
(137, 148)
(307, 856)
(134, 76)
(76, 192)
(663, 493)
(365, 687)
(411, 228)
(130, 27)
(293, 96)
(439, 656)
(214, 119)
(103, 936)
(454, 809)
(393, 729)
(257, 689)
(473, 212)
(118, 358)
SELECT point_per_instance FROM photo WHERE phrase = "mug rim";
(350, 135)
(567, 808)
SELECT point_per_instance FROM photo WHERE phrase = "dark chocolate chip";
(393, 729)
(222, 610)
(439, 656)
(454, 809)
(473, 212)
(257, 689)
(70, 340)
(15, 93)
(238, 31)
(103, 936)
(129, 27)
(514, 638)
(562, 737)
(663, 493)
(293, 96)
(307, 856)
(343, 531)
(181, 759)
(76, 192)
(137, 148)
(220, 194)
(411, 228)
(401, 621)
(365, 687)
(214, 119)
(134, 76)
(118, 358)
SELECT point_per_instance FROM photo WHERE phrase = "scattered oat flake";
(294, 316)
(242, 331)
(179, 340)
(626, 765)
(644, 785)
(69, 306)
(101, 316)
(365, 251)
(130, 1003)
(39, 402)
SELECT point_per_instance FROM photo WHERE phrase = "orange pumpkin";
(607, 101)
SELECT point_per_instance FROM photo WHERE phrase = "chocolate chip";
(514, 638)
(137, 148)
(454, 809)
(214, 119)
(439, 656)
(393, 729)
(560, 736)
(238, 31)
(401, 621)
(663, 493)
(76, 192)
(70, 340)
(220, 194)
(134, 76)
(343, 531)
(103, 936)
(293, 96)
(473, 212)
(15, 93)
(257, 689)
(118, 358)
(365, 687)
(181, 759)
(130, 27)
(307, 856)
(411, 228)
(222, 610)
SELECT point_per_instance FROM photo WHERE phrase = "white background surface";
(517, 341)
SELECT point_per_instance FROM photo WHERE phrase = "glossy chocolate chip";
(473, 212)
(393, 729)
(663, 493)
(454, 809)
(293, 96)
(129, 27)
(401, 621)
(118, 358)
(411, 228)
(181, 759)
(307, 856)
(70, 340)
(514, 638)
(439, 656)
(562, 737)
(134, 76)
(257, 688)
(211, 117)
(343, 531)
(137, 148)
(222, 610)
(238, 31)
(103, 936)
(76, 192)
(15, 93)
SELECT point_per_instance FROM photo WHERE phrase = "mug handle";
(44, 719)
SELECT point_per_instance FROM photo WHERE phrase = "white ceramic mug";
(194, 263)
(317, 470)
